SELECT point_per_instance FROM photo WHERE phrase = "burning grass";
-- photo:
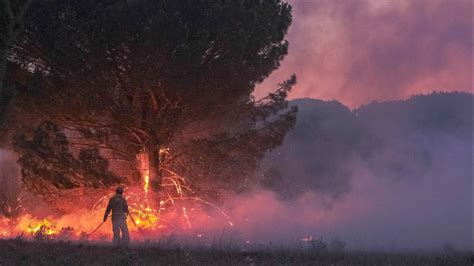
(176, 208)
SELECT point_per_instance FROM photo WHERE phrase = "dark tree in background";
(126, 77)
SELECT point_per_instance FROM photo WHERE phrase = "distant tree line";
(394, 140)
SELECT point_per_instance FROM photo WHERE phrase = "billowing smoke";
(10, 188)
(358, 51)
(387, 175)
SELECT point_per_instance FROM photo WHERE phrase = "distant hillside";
(396, 139)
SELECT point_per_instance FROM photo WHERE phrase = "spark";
(187, 217)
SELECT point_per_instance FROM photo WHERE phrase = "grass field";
(21, 252)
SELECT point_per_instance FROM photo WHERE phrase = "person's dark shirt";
(118, 205)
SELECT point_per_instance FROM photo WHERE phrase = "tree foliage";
(45, 159)
(142, 75)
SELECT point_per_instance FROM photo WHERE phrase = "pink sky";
(357, 51)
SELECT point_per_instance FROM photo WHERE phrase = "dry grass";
(21, 252)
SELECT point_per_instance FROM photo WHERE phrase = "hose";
(100, 225)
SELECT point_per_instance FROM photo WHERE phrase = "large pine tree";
(136, 76)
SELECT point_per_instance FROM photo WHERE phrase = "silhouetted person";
(119, 207)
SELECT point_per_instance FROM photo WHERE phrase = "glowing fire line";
(147, 217)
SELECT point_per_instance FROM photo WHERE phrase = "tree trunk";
(6, 35)
(3, 66)
(4, 44)
(154, 167)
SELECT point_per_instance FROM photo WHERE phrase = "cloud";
(359, 51)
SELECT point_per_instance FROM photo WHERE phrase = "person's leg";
(116, 230)
(125, 235)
